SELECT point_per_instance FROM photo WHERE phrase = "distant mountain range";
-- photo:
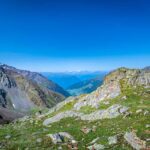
(68, 79)
(22, 90)
(62, 78)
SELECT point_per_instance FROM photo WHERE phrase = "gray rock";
(60, 116)
(147, 126)
(96, 147)
(124, 98)
(106, 102)
(146, 112)
(112, 140)
(94, 141)
(7, 136)
(39, 140)
(111, 112)
(60, 148)
(60, 137)
(139, 111)
(123, 109)
(134, 141)
(148, 140)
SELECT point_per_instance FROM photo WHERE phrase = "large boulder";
(7, 115)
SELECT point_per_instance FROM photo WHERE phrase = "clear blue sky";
(59, 35)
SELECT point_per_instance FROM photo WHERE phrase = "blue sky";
(70, 35)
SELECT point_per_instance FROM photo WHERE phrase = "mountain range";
(86, 86)
(22, 90)
(67, 79)
(76, 83)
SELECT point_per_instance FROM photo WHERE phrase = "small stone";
(106, 102)
(124, 98)
(147, 126)
(112, 140)
(146, 112)
(31, 121)
(7, 137)
(139, 111)
(73, 141)
(123, 109)
(96, 147)
(60, 148)
(94, 141)
(148, 140)
(39, 140)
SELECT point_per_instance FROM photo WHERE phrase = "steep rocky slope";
(19, 92)
(38, 79)
(114, 117)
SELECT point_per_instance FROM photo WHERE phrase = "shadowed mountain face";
(23, 90)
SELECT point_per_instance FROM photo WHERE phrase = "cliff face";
(21, 93)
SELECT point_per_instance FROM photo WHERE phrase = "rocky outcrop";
(113, 84)
(60, 137)
(7, 115)
(111, 112)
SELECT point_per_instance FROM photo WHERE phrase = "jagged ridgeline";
(22, 90)
(113, 117)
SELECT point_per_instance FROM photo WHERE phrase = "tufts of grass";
(87, 109)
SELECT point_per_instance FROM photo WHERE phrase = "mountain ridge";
(22, 91)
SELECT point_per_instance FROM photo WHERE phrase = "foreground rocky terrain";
(115, 116)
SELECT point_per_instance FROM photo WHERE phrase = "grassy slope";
(24, 134)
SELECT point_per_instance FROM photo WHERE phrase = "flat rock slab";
(109, 113)
(134, 141)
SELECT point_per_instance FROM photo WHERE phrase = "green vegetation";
(25, 134)
(87, 109)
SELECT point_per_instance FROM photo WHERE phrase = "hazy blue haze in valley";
(59, 35)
